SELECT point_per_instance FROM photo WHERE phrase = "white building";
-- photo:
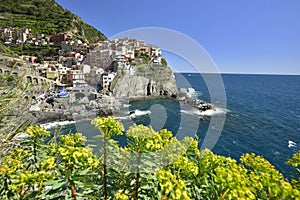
(107, 79)
(8, 35)
(62, 71)
(76, 77)
(86, 69)
(130, 53)
(156, 51)
(156, 60)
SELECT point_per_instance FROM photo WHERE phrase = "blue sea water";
(263, 116)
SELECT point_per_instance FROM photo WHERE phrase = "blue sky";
(241, 36)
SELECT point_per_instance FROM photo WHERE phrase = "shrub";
(154, 165)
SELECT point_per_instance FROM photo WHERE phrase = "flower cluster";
(75, 154)
(266, 179)
(30, 179)
(234, 182)
(121, 196)
(145, 139)
(48, 163)
(184, 164)
(295, 160)
(73, 140)
(171, 186)
(37, 131)
(13, 162)
(108, 126)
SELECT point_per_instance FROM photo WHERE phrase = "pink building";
(60, 37)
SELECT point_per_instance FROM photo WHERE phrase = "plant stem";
(137, 184)
(104, 169)
(35, 151)
(73, 189)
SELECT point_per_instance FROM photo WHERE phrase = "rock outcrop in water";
(144, 81)
(185, 96)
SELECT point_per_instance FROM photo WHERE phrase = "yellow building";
(52, 72)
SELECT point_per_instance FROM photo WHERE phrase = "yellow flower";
(170, 185)
(49, 163)
(37, 131)
(108, 126)
(121, 196)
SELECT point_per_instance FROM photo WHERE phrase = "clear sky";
(241, 36)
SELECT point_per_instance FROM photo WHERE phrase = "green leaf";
(55, 183)
(145, 187)
(84, 172)
(50, 182)
(132, 182)
(78, 183)
(147, 176)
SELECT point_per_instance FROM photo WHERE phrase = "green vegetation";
(47, 17)
(12, 107)
(153, 165)
(39, 51)
(164, 62)
(5, 49)
(42, 17)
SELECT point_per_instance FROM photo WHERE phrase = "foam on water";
(193, 111)
(123, 117)
(126, 105)
(140, 113)
(291, 144)
(215, 111)
(54, 124)
(134, 114)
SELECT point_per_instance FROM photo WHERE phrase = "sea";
(261, 114)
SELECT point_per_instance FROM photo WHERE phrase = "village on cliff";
(84, 73)
(76, 61)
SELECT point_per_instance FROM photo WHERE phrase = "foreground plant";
(153, 165)
(24, 171)
(108, 127)
(142, 140)
(76, 165)
(295, 162)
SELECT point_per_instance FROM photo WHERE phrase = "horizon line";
(237, 73)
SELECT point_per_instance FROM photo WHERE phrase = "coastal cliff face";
(142, 81)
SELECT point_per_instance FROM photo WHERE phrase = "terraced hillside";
(47, 17)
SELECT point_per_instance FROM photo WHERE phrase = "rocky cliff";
(142, 81)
